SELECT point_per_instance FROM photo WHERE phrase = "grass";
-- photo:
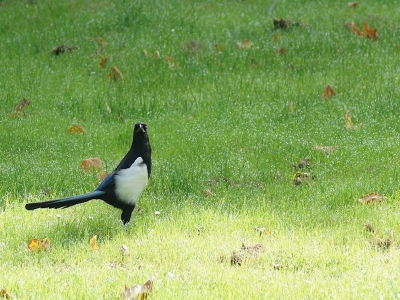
(219, 123)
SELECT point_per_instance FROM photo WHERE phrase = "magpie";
(123, 186)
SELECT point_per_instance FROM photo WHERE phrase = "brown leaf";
(245, 44)
(19, 108)
(91, 164)
(140, 292)
(208, 193)
(355, 29)
(280, 51)
(36, 245)
(93, 243)
(102, 175)
(300, 177)
(76, 129)
(115, 74)
(352, 4)
(328, 92)
(370, 198)
(369, 32)
(103, 62)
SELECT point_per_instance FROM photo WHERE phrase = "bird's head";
(140, 128)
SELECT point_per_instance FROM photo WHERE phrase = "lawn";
(235, 106)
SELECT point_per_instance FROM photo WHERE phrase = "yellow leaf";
(93, 243)
(36, 245)
(349, 122)
(76, 129)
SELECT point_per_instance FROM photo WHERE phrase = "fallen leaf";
(140, 292)
(369, 32)
(124, 249)
(245, 44)
(19, 108)
(352, 4)
(326, 149)
(35, 245)
(291, 107)
(280, 51)
(102, 175)
(115, 74)
(102, 42)
(370, 198)
(355, 29)
(91, 164)
(156, 54)
(349, 122)
(93, 243)
(328, 92)
(103, 62)
(76, 129)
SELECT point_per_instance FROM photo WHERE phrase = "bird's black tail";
(65, 202)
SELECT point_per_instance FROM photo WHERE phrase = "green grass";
(219, 120)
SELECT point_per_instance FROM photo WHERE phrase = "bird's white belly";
(130, 183)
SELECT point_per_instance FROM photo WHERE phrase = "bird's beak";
(141, 128)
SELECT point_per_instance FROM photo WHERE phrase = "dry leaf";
(370, 198)
(245, 44)
(103, 62)
(291, 107)
(352, 4)
(102, 42)
(140, 292)
(101, 176)
(302, 163)
(19, 108)
(76, 129)
(156, 54)
(36, 245)
(93, 243)
(328, 92)
(355, 29)
(115, 74)
(280, 51)
(349, 122)
(91, 164)
(369, 32)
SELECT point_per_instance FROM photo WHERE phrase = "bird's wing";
(107, 183)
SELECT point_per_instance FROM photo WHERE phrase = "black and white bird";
(123, 186)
